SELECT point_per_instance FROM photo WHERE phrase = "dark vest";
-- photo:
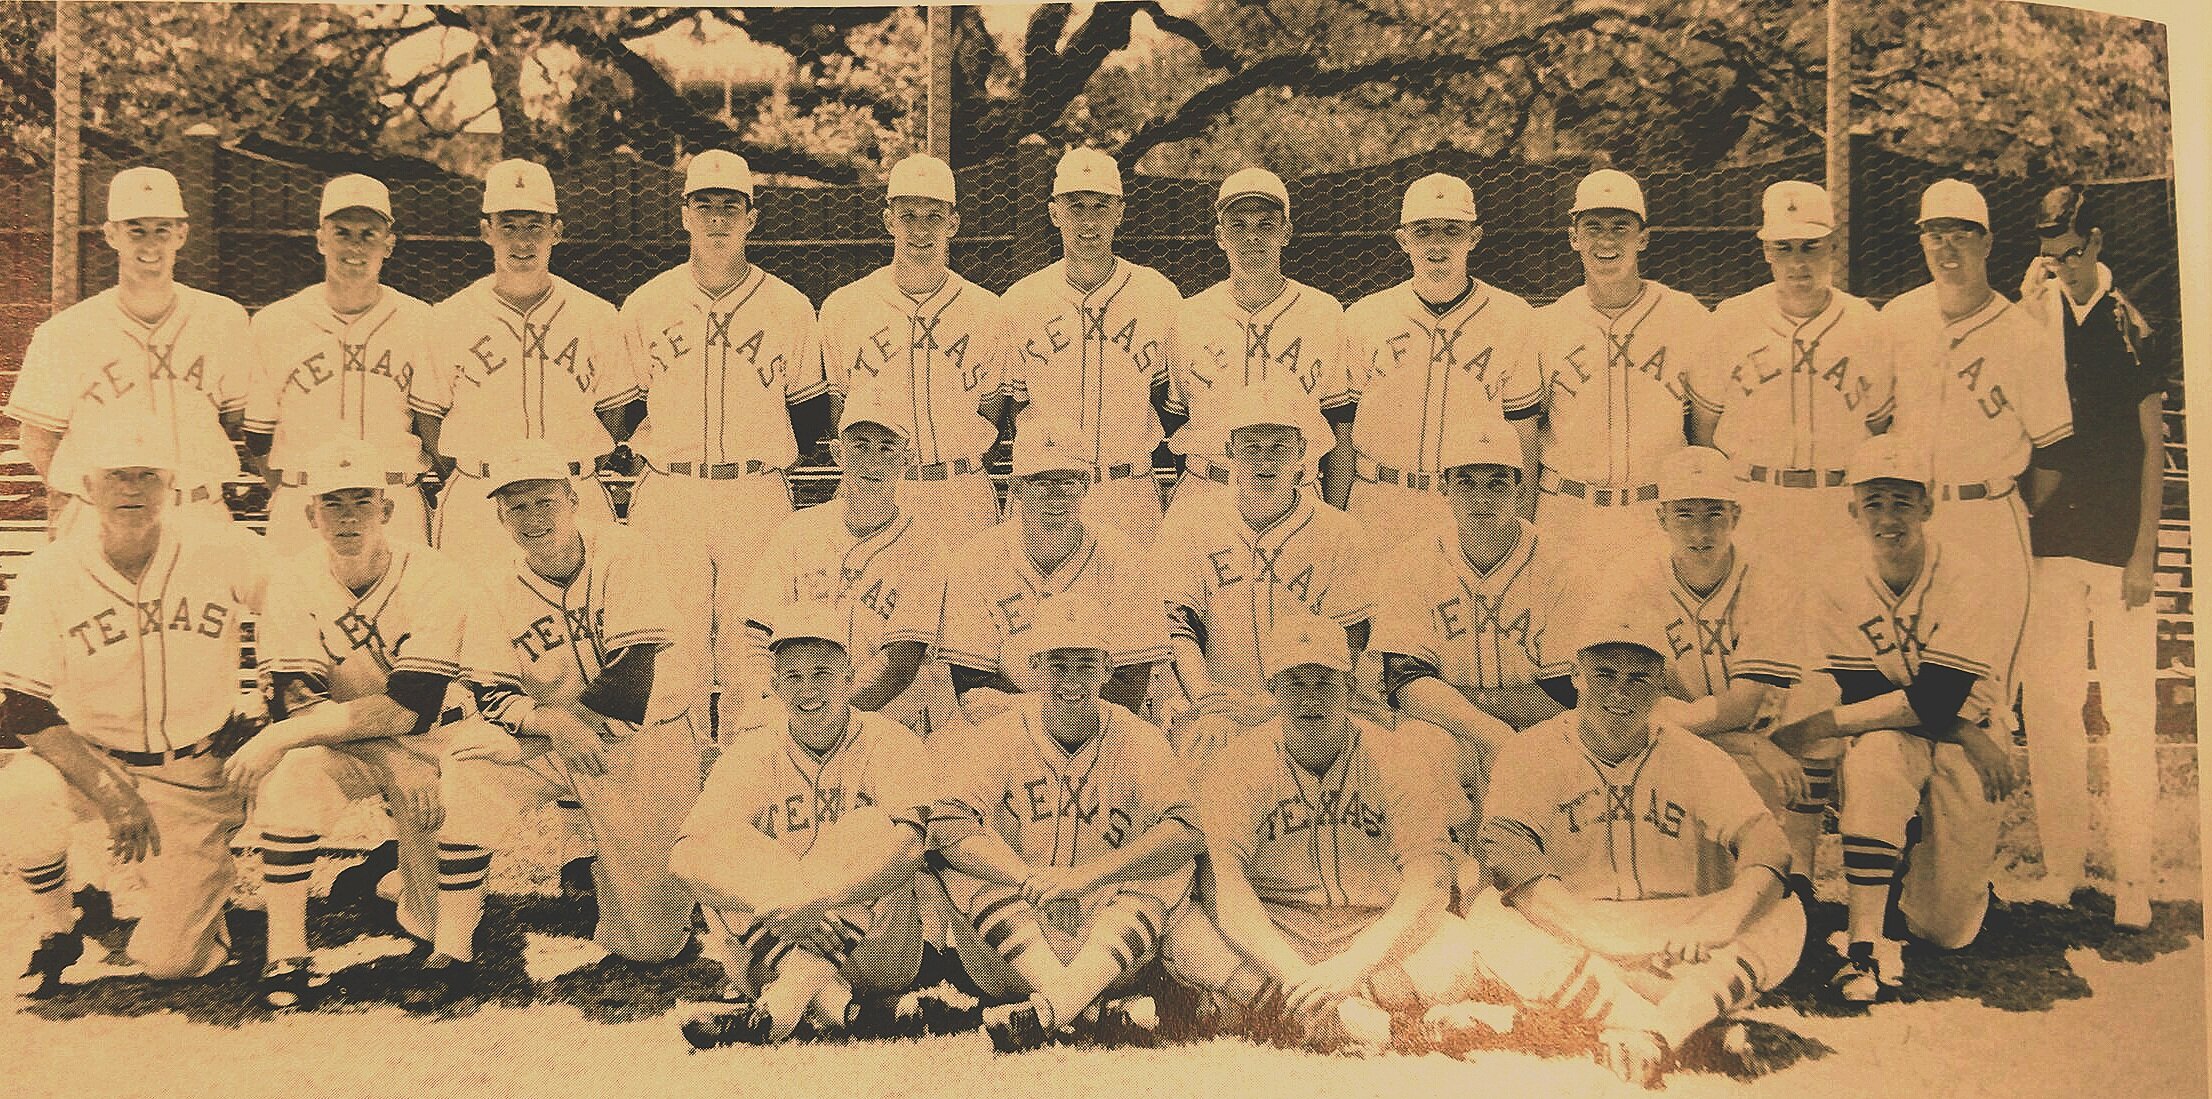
(2094, 512)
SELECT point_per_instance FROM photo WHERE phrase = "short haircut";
(2068, 208)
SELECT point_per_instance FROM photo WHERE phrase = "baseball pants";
(1393, 515)
(1438, 970)
(2072, 597)
(879, 945)
(466, 525)
(289, 532)
(708, 536)
(960, 507)
(1995, 532)
(310, 788)
(994, 926)
(1637, 993)
(180, 932)
(636, 810)
(1888, 778)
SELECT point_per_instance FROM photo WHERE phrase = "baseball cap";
(1043, 444)
(866, 408)
(144, 193)
(1437, 197)
(1064, 622)
(921, 176)
(1888, 458)
(350, 192)
(809, 620)
(526, 460)
(1621, 620)
(1955, 199)
(1608, 189)
(1479, 441)
(111, 438)
(1253, 183)
(343, 464)
(718, 170)
(1698, 473)
(519, 185)
(1269, 403)
(1302, 638)
(1086, 170)
(1795, 210)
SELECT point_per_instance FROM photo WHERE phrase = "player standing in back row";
(723, 349)
(1090, 344)
(1611, 355)
(917, 337)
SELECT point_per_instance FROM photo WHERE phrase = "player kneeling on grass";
(1639, 879)
(1328, 840)
(361, 645)
(1069, 833)
(1915, 635)
(804, 845)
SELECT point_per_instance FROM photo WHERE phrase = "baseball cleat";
(2131, 908)
(1636, 1056)
(291, 984)
(1125, 1021)
(1858, 982)
(356, 884)
(1015, 1028)
(739, 1024)
(576, 879)
(443, 981)
(54, 954)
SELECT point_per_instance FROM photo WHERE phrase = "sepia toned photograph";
(1133, 548)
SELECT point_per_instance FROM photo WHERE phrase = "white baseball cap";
(1621, 619)
(519, 185)
(809, 620)
(525, 460)
(1795, 210)
(921, 176)
(144, 193)
(1043, 444)
(343, 464)
(112, 437)
(866, 408)
(356, 192)
(1956, 199)
(1437, 197)
(1479, 441)
(1271, 402)
(1253, 183)
(1301, 638)
(1063, 622)
(1609, 189)
(1889, 458)
(1698, 473)
(718, 170)
(1086, 170)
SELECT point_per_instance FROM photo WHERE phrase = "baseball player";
(1436, 349)
(150, 344)
(1980, 385)
(1256, 326)
(917, 335)
(1230, 565)
(119, 671)
(564, 655)
(1090, 344)
(1000, 582)
(361, 647)
(879, 565)
(1639, 880)
(2096, 544)
(1068, 832)
(519, 354)
(1328, 840)
(335, 361)
(723, 350)
(1915, 637)
(1801, 374)
(805, 842)
(1461, 629)
(1611, 354)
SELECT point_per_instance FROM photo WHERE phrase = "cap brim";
(1225, 201)
(1795, 230)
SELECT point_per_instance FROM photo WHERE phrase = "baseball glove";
(236, 732)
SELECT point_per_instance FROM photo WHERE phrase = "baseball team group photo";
(1135, 548)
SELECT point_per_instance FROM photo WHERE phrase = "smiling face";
(1892, 513)
(1699, 530)
(146, 248)
(1439, 247)
(129, 500)
(1957, 253)
(719, 221)
(1482, 497)
(1253, 232)
(1087, 220)
(814, 678)
(351, 520)
(521, 240)
(1802, 268)
(1053, 499)
(1610, 243)
(1071, 678)
(1619, 684)
(873, 456)
(1268, 457)
(539, 515)
(354, 245)
(921, 230)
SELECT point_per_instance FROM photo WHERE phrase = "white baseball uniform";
(994, 591)
(1220, 347)
(498, 374)
(937, 356)
(1413, 370)
(320, 375)
(1092, 357)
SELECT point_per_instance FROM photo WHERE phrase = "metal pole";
(68, 161)
(940, 83)
(1839, 140)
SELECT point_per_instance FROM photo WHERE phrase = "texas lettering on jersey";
(129, 621)
(1336, 808)
(800, 812)
(1618, 804)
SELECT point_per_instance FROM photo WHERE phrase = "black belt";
(292, 479)
(1605, 497)
(1376, 473)
(451, 714)
(197, 494)
(721, 472)
(1203, 468)
(199, 747)
(1978, 490)
(1126, 470)
(1795, 478)
(938, 471)
(484, 469)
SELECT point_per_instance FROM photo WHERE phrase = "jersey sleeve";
(1350, 598)
(1879, 367)
(836, 336)
(638, 610)
(1334, 386)
(1228, 800)
(235, 360)
(1364, 320)
(2046, 412)
(45, 391)
(1726, 802)
(249, 562)
(1182, 345)
(1520, 381)
(439, 622)
(1978, 619)
(289, 638)
(970, 783)
(1707, 379)
(1164, 791)
(613, 373)
(1405, 616)
(1769, 630)
(1835, 634)
(1139, 626)
(488, 657)
(907, 784)
(732, 787)
(631, 321)
(1176, 562)
(1548, 606)
(920, 614)
(264, 384)
(31, 635)
(1423, 797)
(971, 637)
(803, 376)
(1513, 841)
(430, 391)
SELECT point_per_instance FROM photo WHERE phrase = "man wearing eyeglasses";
(1980, 386)
(2096, 541)
(723, 351)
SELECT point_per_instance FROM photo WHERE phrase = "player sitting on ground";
(1639, 880)
(1001, 580)
(1069, 833)
(804, 845)
(1915, 636)
(361, 646)
(1232, 564)
(1330, 855)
